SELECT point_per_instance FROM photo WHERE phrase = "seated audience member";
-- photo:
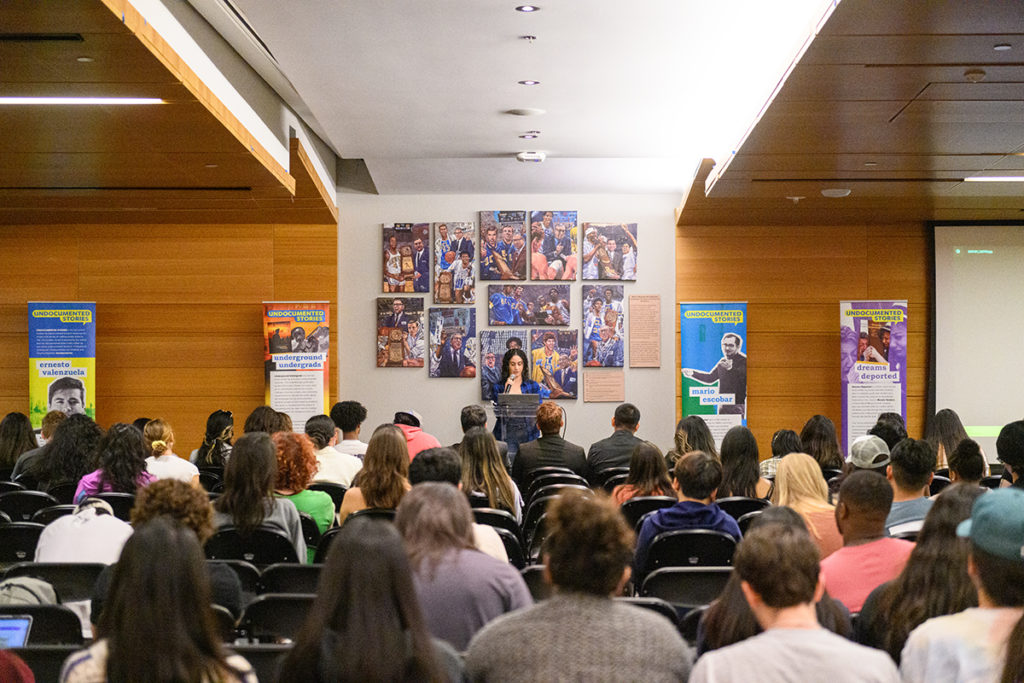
(890, 428)
(910, 471)
(45, 434)
(156, 626)
(692, 434)
(216, 448)
(943, 433)
(91, 534)
(647, 476)
(484, 473)
(821, 443)
(366, 623)
(1010, 451)
(417, 439)
(870, 453)
(983, 643)
(799, 485)
(348, 417)
(740, 474)
(460, 588)
(161, 462)
(616, 450)
(384, 478)
(868, 558)
(332, 465)
(444, 465)
(933, 582)
(248, 500)
(779, 572)
(580, 633)
(695, 481)
(16, 437)
(550, 450)
(122, 464)
(65, 459)
(967, 463)
(784, 442)
(296, 465)
(474, 415)
(729, 620)
(266, 419)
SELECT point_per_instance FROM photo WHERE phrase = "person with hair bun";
(122, 460)
(332, 465)
(296, 466)
(580, 633)
(162, 463)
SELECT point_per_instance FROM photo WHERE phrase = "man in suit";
(461, 243)
(398, 317)
(616, 450)
(453, 361)
(421, 266)
(550, 450)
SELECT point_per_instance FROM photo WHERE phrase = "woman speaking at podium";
(514, 380)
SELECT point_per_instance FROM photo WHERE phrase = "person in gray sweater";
(581, 633)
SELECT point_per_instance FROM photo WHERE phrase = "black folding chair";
(47, 515)
(46, 661)
(690, 548)
(383, 514)
(310, 530)
(248, 574)
(8, 486)
(264, 546)
(686, 587)
(51, 624)
(655, 605)
(499, 519)
(559, 489)
(533, 512)
(533, 575)
(73, 581)
(638, 506)
(615, 480)
(607, 473)
(18, 541)
(746, 520)
(325, 544)
(209, 480)
(265, 658)
(120, 503)
(64, 493)
(737, 506)
(21, 505)
(554, 478)
(541, 471)
(938, 483)
(514, 550)
(273, 617)
(335, 491)
(290, 578)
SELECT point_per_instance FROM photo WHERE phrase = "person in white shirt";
(162, 463)
(348, 416)
(339, 468)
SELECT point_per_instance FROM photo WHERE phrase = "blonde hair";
(800, 485)
(158, 437)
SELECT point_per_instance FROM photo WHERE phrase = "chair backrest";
(209, 479)
(500, 519)
(21, 505)
(688, 624)
(533, 575)
(938, 483)
(47, 515)
(325, 544)
(534, 510)
(27, 481)
(478, 499)
(655, 605)
(737, 506)
(226, 623)
(46, 661)
(746, 520)
(73, 581)
(638, 506)
(18, 541)
(536, 539)
(942, 472)
(290, 578)
(513, 548)
(51, 624)
(310, 530)
(690, 548)
(4, 518)
(335, 491)
(383, 514)
(559, 489)
(120, 503)
(992, 481)
(265, 658)
(64, 493)
(555, 478)
(264, 546)
(686, 587)
(273, 616)
(908, 535)
(541, 471)
(615, 480)
(607, 473)
(247, 573)
(7, 486)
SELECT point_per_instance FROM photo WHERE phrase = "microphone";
(508, 384)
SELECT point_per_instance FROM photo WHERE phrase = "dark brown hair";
(589, 544)
(648, 474)
(249, 481)
(385, 470)
(780, 563)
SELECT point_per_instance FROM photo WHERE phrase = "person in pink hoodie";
(409, 422)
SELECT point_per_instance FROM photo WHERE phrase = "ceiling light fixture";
(531, 157)
(795, 199)
(835, 192)
(81, 100)
(528, 82)
(528, 39)
(525, 111)
(1002, 47)
(84, 60)
(527, 136)
(995, 179)
(975, 75)
(527, 8)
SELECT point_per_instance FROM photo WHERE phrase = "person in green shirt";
(296, 467)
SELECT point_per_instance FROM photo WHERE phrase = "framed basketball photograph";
(406, 257)
(503, 252)
(609, 251)
(553, 241)
(400, 334)
(453, 342)
(454, 263)
(554, 361)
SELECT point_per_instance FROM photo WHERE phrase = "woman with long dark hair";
(68, 456)
(692, 434)
(740, 475)
(384, 478)
(821, 443)
(515, 379)
(122, 464)
(16, 437)
(648, 475)
(784, 442)
(366, 623)
(944, 432)
(933, 582)
(483, 472)
(248, 500)
(216, 448)
(155, 625)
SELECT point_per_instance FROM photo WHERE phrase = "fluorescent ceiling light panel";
(80, 100)
(995, 179)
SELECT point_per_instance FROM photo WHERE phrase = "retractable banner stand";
(296, 338)
(714, 364)
(873, 363)
(62, 359)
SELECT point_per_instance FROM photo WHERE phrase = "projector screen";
(979, 327)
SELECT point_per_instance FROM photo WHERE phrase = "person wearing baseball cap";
(409, 422)
(869, 452)
(983, 643)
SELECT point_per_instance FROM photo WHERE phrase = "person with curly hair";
(162, 463)
(296, 467)
(384, 478)
(122, 460)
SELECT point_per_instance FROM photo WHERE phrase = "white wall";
(384, 390)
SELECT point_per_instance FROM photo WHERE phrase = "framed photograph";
(512, 304)
(400, 335)
(553, 241)
(603, 326)
(609, 251)
(454, 259)
(554, 361)
(503, 252)
(493, 346)
(453, 342)
(406, 257)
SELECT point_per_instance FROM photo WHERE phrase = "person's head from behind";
(385, 470)
(436, 464)
(473, 415)
(348, 415)
(50, 422)
(549, 418)
(409, 418)
(627, 416)
(697, 476)
(739, 462)
(820, 442)
(869, 452)
(779, 568)
(967, 462)
(483, 470)
(176, 500)
(122, 457)
(66, 394)
(16, 437)
(264, 419)
(692, 434)
(365, 603)
(296, 462)
(798, 479)
(158, 437)
(589, 546)
(321, 431)
(945, 430)
(72, 451)
(1010, 447)
(887, 433)
(434, 519)
(863, 504)
(647, 471)
(784, 442)
(249, 480)
(948, 510)
(911, 466)
(996, 534)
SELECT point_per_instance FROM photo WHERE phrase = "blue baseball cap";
(997, 524)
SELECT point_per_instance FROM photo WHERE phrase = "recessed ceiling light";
(84, 59)
(525, 111)
(995, 179)
(528, 136)
(527, 8)
(81, 100)
(871, 163)
(975, 75)
(1002, 47)
(530, 39)
(209, 165)
(835, 192)
(528, 82)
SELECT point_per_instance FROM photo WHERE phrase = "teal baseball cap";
(997, 524)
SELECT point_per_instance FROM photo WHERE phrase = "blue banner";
(62, 358)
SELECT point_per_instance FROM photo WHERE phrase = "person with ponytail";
(216, 448)
(162, 463)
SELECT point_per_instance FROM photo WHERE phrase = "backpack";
(27, 590)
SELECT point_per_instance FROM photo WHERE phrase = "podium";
(517, 416)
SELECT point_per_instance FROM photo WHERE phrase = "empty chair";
(264, 546)
(635, 508)
(290, 578)
(690, 548)
(383, 514)
(21, 505)
(556, 489)
(73, 581)
(607, 473)
(746, 520)
(513, 548)
(500, 519)
(18, 541)
(120, 503)
(688, 624)
(655, 605)
(533, 513)
(47, 515)
(6, 486)
(536, 539)
(64, 493)
(274, 616)
(938, 483)
(51, 624)
(533, 575)
(686, 587)
(335, 491)
(211, 480)
(541, 471)
(737, 506)
(247, 573)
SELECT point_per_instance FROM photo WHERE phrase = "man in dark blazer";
(421, 264)
(550, 450)
(617, 449)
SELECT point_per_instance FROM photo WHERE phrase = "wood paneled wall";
(178, 311)
(793, 279)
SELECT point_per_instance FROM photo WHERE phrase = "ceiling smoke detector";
(531, 157)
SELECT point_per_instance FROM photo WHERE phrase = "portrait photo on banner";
(400, 332)
(454, 259)
(406, 257)
(554, 360)
(512, 304)
(453, 342)
(503, 252)
(609, 251)
(494, 344)
(603, 326)
(553, 241)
